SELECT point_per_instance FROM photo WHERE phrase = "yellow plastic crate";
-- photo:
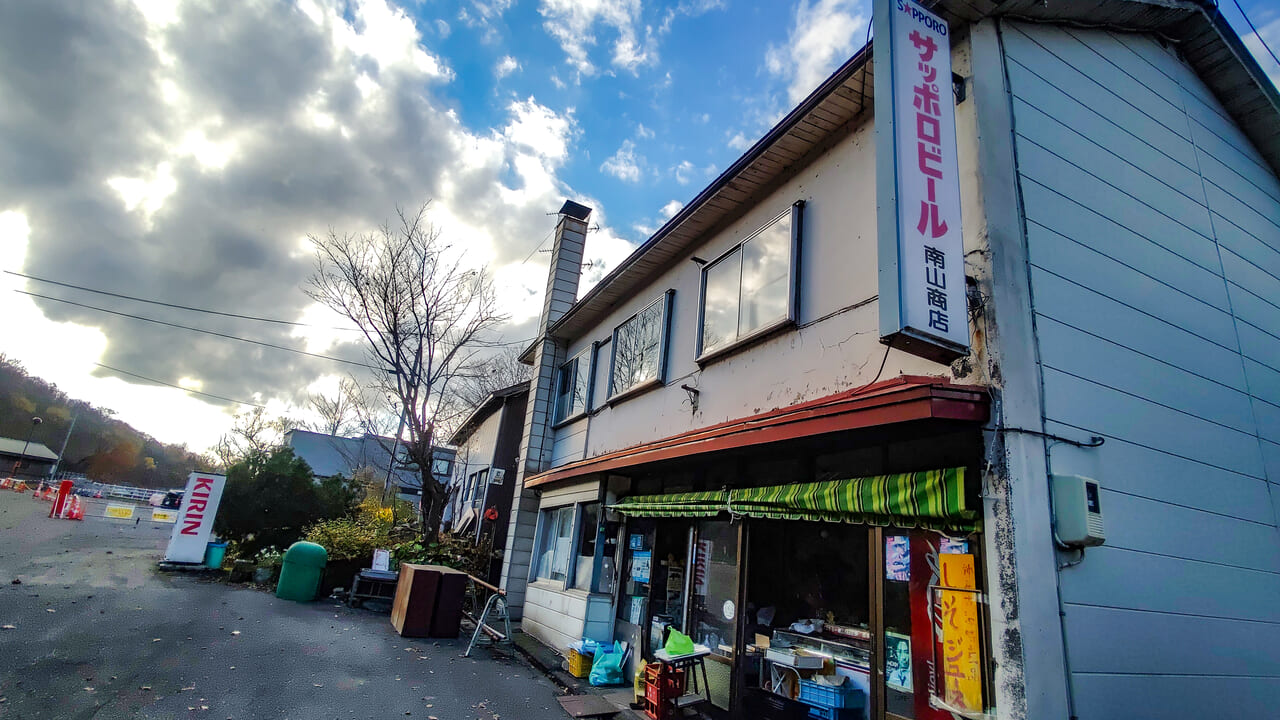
(579, 664)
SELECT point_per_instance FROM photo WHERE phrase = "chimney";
(566, 263)
(535, 443)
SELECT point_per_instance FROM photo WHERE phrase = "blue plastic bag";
(606, 669)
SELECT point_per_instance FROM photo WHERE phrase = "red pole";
(64, 491)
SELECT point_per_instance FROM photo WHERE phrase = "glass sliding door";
(713, 607)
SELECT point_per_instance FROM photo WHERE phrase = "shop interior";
(760, 592)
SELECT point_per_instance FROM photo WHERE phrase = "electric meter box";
(1078, 511)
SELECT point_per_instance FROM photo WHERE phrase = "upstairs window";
(751, 288)
(573, 387)
(639, 348)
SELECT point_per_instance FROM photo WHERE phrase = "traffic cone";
(20, 487)
(6, 484)
(77, 508)
(36, 495)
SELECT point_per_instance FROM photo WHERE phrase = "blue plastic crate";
(825, 696)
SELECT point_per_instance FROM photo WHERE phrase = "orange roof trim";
(902, 399)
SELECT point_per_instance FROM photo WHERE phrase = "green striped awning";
(694, 504)
(932, 499)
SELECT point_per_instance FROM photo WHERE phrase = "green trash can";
(214, 552)
(300, 572)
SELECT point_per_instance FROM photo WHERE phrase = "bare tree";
(338, 414)
(491, 373)
(425, 317)
(252, 432)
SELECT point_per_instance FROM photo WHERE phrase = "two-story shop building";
(729, 435)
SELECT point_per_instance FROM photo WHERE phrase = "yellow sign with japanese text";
(167, 516)
(120, 512)
(959, 637)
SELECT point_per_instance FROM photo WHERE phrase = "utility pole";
(18, 463)
(53, 474)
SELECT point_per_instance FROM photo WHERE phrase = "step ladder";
(495, 609)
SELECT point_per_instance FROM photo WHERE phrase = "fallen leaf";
(317, 684)
(145, 687)
(9, 627)
(185, 689)
(155, 639)
(235, 632)
(49, 610)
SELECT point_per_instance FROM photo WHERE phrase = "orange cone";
(20, 487)
(6, 483)
(77, 508)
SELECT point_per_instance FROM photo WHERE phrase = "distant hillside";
(103, 448)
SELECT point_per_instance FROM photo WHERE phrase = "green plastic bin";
(214, 552)
(301, 571)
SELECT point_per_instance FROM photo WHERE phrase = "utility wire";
(199, 330)
(176, 306)
(177, 387)
(537, 247)
(1256, 34)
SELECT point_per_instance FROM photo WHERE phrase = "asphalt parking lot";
(98, 633)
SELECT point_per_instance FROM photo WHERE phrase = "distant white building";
(331, 455)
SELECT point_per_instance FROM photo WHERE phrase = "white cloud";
(506, 66)
(624, 164)
(573, 23)
(684, 172)
(189, 158)
(643, 132)
(703, 119)
(145, 194)
(442, 28)
(739, 141)
(538, 130)
(822, 36)
(671, 208)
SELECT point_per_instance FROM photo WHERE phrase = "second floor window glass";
(572, 387)
(638, 346)
(749, 288)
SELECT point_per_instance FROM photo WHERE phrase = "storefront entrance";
(880, 620)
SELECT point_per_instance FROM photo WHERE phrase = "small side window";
(573, 386)
(639, 348)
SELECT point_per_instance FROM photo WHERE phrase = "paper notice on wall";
(640, 562)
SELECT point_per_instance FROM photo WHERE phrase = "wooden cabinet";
(428, 601)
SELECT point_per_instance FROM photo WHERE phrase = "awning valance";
(932, 499)
(694, 504)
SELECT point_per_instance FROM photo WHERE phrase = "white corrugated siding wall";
(1153, 231)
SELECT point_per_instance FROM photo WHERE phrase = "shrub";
(459, 552)
(270, 499)
(350, 538)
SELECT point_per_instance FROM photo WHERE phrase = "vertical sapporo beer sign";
(921, 250)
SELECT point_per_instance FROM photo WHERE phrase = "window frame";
(664, 340)
(575, 547)
(702, 356)
(587, 354)
(544, 515)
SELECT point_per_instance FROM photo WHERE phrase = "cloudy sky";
(182, 151)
